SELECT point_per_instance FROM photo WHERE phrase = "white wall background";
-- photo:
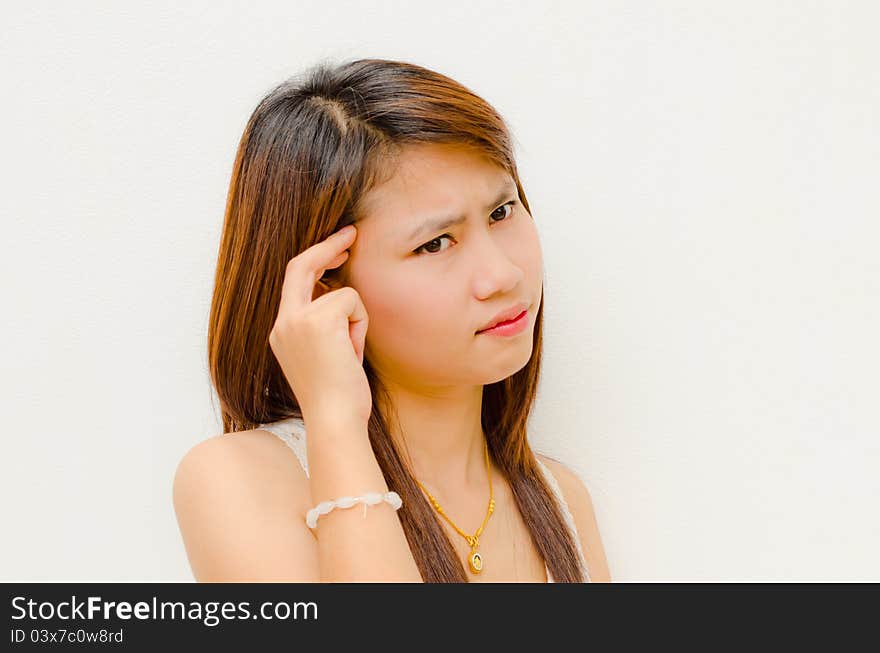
(705, 179)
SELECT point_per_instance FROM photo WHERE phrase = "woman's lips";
(509, 328)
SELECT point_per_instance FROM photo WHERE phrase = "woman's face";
(429, 289)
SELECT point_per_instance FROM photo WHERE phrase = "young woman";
(360, 360)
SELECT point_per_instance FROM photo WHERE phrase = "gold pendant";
(475, 561)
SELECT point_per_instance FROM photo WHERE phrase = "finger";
(358, 322)
(335, 263)
(347, 301)
(307, 267)
(358, 333)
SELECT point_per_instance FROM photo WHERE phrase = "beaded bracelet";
(370, 498)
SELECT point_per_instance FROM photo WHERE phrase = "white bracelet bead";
(370, 498)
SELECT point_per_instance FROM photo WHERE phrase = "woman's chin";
(502, 370)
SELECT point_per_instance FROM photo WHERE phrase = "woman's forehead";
(429, 182)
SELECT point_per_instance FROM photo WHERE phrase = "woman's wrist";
(335, 425)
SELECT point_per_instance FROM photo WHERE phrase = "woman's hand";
(319, 340)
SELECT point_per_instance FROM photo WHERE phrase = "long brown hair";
(312, 148)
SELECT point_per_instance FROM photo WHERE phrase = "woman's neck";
(440, 435)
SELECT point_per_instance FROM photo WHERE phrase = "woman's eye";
(427, 246)
(508, 204)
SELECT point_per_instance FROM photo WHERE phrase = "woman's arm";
(237, 498)
(352, 548)
(241, 510)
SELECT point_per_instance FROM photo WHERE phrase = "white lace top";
(292, 431)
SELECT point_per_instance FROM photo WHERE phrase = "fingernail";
(347, 229)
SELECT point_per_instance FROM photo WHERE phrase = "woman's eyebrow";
(442, 222)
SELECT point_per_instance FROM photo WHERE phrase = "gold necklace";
(475, 560)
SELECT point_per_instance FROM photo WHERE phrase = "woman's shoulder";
(247, 485)
(255, 450)
(248, 465)
(580, 504)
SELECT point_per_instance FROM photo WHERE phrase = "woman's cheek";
(532, 259)
(394, 310)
